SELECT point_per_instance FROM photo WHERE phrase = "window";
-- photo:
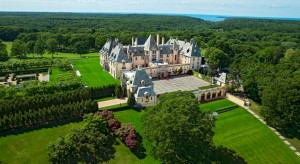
(188, 51)
(175, 57)
(142, 100)
(150, 98)
(135, 66)
(135, 58)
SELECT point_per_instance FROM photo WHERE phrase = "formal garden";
(236, 129)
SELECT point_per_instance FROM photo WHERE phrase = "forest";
(261, 55)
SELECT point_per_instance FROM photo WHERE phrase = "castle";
(138, 63)
(159, 59)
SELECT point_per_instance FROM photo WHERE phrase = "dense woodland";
(262, 55)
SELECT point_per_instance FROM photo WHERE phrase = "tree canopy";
(177, 130)
(91, 143)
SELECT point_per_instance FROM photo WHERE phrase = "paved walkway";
(102, 104)
(240, 102)
(181, 82)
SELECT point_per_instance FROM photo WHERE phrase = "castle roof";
(118, 55)
(108, 46)
(150, 44)
(141, 91)
(139, 75)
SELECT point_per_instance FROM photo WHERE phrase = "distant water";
(213, 18)
(217, 18)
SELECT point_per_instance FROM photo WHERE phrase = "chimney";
(163, 40)
(157, 39)
(132, 41)
(136, 42)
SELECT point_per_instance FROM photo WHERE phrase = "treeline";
(13, 66)
(36, 102)
(103, 91)
(47, 115)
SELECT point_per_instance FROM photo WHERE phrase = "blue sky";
(262, 8)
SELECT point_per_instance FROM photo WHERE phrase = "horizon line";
(158, 13)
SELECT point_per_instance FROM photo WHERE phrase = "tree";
(131, 100)
(52, 46)
(178, 131)
(30, 47)
(18, 49)
(39, 47)
(91, 143)
(217, 59)
(118, 91)
(281, 104)
(3, 52)
(81, 47)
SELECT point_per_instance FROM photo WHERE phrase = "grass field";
(92, 72)
(216, 105)
(30, 147)
(240, 131)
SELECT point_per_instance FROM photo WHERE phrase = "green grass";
(31, 147)
(92, 72)
(8, 46)
(216, 105)
(240, 131)
(123, 155)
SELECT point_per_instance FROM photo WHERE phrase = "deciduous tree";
(177, 130)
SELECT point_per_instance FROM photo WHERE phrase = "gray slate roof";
(186, 48)
(150, 44)
(117, 55)
(142, 90)
(108, 46)
(136, 50)
(139, 75)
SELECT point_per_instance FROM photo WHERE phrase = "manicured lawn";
(240, 131)
(216, 105)
(92, 72)
(31, 147)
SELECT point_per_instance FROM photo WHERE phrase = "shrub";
(190, 72)
(124, 131)
(113, 124)
(106, 114)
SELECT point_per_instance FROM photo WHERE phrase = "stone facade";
(160, 59)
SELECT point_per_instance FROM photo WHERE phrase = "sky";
(257, 8)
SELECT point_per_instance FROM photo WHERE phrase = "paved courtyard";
(175, 83)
